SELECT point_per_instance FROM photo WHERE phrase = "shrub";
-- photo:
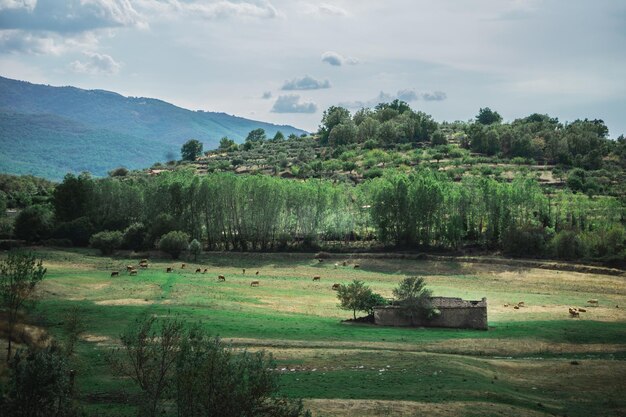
(34, 223)
(567, 245)
(524, 241)
(107, 241)
(174, 243)
(135, 236)
(373, 173)
(195, 248)
(78, 231)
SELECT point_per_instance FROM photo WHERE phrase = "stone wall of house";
(454, 313)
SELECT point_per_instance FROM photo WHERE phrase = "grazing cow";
(254, 284)
(169, 269)
(582, 310)
(344, 263)
(143, 261)
(336, 265)
(221, 278)
(573, 312)
(182, 266)
(257, 273)
(506, 305)
(133, 272)
(205, 270)
(129, 268)
(593, 301)
(320, 260)
(336, 287)
(521, 304)
(198, 270)
(356, 266)
(516, 307)
(115, 274)
(144, 266)
(244, 271)
(316, 278)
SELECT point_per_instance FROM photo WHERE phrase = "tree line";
(420, 210)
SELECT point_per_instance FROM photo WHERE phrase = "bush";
(39, 385)
(107, 241)
(567, 245)
(34, 223)
(524, 241)
(135, 236)
(195, 248)
(78, 231)
(373, 173)
(174, 243)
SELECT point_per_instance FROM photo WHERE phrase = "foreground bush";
(174, 243)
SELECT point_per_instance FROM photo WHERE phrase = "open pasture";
(533, 361)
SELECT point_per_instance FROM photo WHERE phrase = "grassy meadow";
(535, 361)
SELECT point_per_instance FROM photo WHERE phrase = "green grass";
(520, 362)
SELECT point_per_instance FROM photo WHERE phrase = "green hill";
(61, 129)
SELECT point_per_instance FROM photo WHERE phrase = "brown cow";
(144, 266)
(320, 260)
(244, 271)
(133, 272)
(198, 270)
(336, 287)
(169, 269)
(254, 284)
(182, 266)
(221, 278)
(521, 304)
(316, 278)
(257, 273)
(593, 301)
(573, 312)
(357, 266)
(516, 307)
(205, 270)
(129, 268)
(344, 263)
(143, 261)
(582, 310)
(115, 274)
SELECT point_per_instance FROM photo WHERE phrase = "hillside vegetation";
(67, 129)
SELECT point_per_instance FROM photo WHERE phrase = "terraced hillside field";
(533, 361)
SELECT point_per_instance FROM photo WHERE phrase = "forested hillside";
(48, 124)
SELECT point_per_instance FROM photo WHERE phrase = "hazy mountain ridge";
(129, 131)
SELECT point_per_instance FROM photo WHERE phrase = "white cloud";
(18, 4)
(324, 9)
(407, 95)
(336, 59)
(96, 64)
(291, 104)
(261, 9)
(266, 95)
(305, 83)
(43, 42)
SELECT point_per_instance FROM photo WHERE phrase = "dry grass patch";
(124, 302)
(367, 408)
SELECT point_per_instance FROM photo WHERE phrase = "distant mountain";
(49, 131)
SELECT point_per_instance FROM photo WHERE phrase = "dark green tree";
(20, 273)
(174, 243)
(191, 150)
(256, 135)
(354, 296)
(34, 223)
(413, 296)
(72, 197)
(487, 116)
(107, 241)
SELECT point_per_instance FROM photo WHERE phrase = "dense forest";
(379, 179)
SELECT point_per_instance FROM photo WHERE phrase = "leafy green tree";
(174, 243)
(39, 385)
(256, 135)
(354, 296)
(148, 356)
(195, 248)
(107, 241)
(72, 197)
(333, 116)
(162, 224)
(413, 295)
(342, 134)
(78, 231)
(135, 236)
(191, 150)
(34, 223)
(487, 116)
(19, 275)
(278, 137)
(438, 138)
(227, 144)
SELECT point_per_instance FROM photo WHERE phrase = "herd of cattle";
(573, 311)
(143, 264)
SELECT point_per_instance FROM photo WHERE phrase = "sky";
(286, 61)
